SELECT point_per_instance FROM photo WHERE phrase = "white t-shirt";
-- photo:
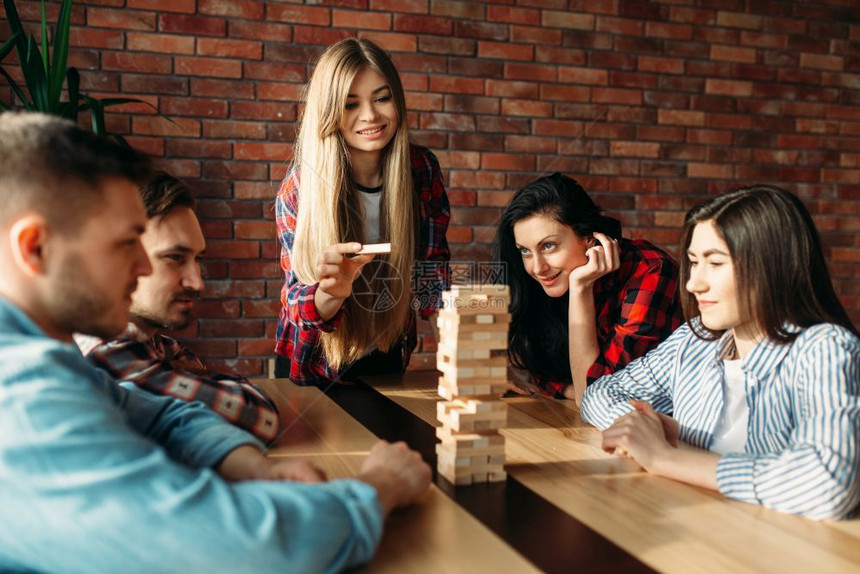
(372, 209)
(731, 433)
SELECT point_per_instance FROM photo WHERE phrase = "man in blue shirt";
(101, 477)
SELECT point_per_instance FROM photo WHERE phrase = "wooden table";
(566, 503)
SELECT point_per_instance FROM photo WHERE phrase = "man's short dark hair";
(50, 165)
(162, 193)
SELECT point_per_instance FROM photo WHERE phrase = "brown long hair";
(780, 273)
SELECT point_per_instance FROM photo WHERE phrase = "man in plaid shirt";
(164, 300)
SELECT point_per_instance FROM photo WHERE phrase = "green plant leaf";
(45, 53)
(97, 114)
(18, 91)
(58, 71)
(9, 44)
(15, 27)
(34, 75)
(74, 103)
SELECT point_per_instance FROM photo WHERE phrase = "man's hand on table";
(397, 473)
(248, 463)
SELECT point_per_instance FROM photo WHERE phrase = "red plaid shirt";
(299, 323)
(163, 366)
(637, 308)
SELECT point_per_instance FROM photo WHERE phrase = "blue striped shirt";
(803, 442)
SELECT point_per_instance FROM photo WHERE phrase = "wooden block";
(451, 388)
(455, 415)
(451, 322)
(497, 476)
(446, 360)
(492, 443)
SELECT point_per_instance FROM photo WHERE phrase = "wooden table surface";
(434, 535)
(554, 457)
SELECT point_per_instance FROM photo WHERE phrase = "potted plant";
(45, 72)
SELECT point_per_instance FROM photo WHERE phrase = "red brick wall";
(652, 105)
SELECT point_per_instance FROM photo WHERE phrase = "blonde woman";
(356, 180)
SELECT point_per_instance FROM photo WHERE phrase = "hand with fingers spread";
(603, 258)
(642, 435)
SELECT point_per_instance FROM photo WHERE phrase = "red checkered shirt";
(299, 323)
(637, 306)
(163, 366)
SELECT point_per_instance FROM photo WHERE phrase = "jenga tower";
(472, 324)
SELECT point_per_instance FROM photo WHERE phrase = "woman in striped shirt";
(765, 374)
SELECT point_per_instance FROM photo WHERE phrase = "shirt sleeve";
(232, 397)
(817, 474)
(647, 379)
(297, 298)
(432, 272)
(83, 482)
(649, 313)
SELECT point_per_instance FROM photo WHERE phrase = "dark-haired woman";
(584, 301)
(765, 374)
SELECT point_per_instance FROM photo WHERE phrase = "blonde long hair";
(330, 212)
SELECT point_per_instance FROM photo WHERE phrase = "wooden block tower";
(473, 323)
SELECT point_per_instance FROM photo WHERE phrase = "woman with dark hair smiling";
(765, 374)
(584, 301)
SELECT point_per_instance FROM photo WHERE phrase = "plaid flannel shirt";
(299, 323)
(638, 306)
(163, 366)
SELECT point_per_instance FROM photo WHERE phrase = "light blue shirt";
(100, 477)
(803, 439)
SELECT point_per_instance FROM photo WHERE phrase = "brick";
(133, 62)
(565, 128)
(615, 60)
(263, 32)
(123, 19)
(739, 20)
(474, 141)
(159, 126)
(279, 91)
(577, 21)
(455, 85)
(269, 71)
(298, 14)
(822, 62)
(221, 88)
(728, 87)
(477, 179)
(660, 65)
(262, 151)
(233, 170)
(511, 15)
(198, 149)
(459, 234)
(421, 63)
(616, 96)
(159, 85)
(232, 328)
(421, 101)
(446, 121)
(634, 149)
(507, 162)
(733, 54)
(194, 25)
(361, 20)
(263, 309)
(532, 72)
(461, 197)
(559, 55)
(194, 107)
(798, 141)
(494, 198)
(232, 249)
(95, 38)
(392, 42)
(668, 30)
(232, 8)
(691, 15)
(487, 124)
(459, 160)
(565, 93)
(412, 6)
(588, 76)
(151, 146)
(256, 190)
(186, 6)
(529, 144)
(620, 26)
(230, 48)
(196, 66)
(773, 41)
(423, 24)
(535, 35)
(709, 137)
(470, 10)
(318, 36)
(256, 270)
(213, 348)
(165, 43)
(480, 30)
(471, 104)
(454, 46)
(526, 108)
(504, 51)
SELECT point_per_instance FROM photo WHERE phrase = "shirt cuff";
(735, 477)
(310, 316)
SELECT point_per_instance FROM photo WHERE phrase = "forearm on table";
(583, 349)
(690, 465)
